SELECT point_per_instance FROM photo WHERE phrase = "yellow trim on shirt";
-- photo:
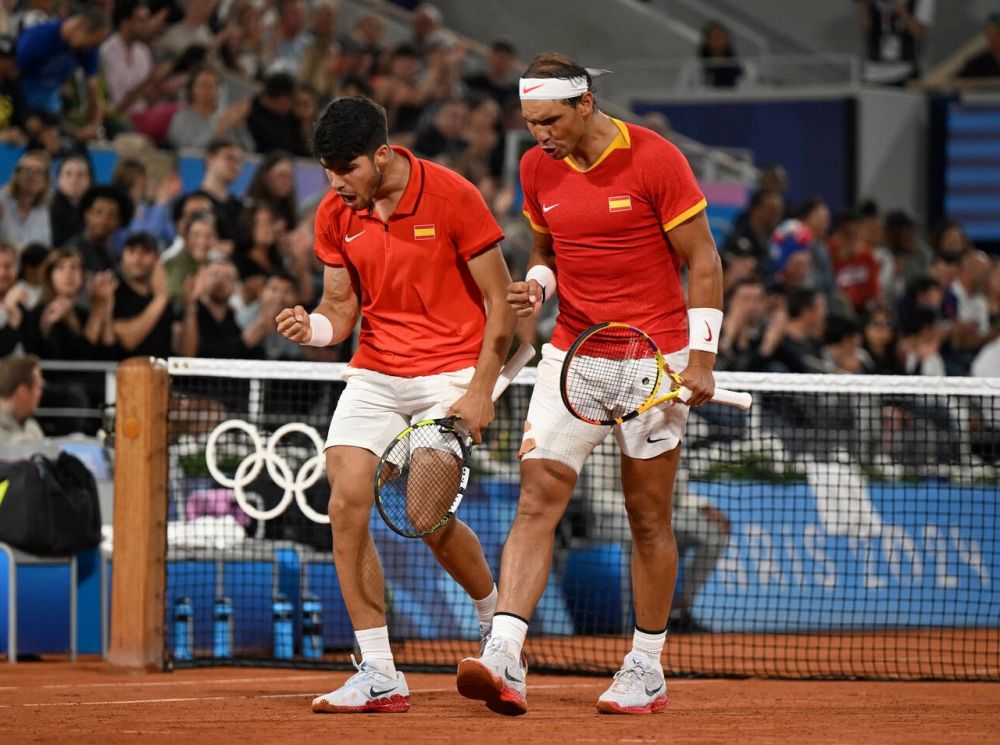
(686, 214)
(534, 225)
(623, 141)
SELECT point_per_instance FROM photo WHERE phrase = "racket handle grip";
(736, 399)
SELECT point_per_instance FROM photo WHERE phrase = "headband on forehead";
(554, 89)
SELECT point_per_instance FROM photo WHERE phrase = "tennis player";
(413, 249)
(614, 210)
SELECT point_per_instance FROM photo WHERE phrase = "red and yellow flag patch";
(423, 232)
(620, 204)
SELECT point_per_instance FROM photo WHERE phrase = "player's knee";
(649, 526)
(347, 511)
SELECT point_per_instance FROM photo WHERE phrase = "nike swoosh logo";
(375, 694)
(511, 678)
(547, 207)
(654, 691)
(349, 238)
(529, 89)
(708, 329)
(651, 441)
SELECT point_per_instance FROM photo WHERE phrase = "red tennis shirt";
(421, 310)
(609, 228)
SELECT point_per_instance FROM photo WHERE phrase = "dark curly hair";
(348, 128)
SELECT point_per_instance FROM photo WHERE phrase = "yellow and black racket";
(421, 477)
(614, 372)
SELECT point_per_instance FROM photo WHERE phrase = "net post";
(140, 519)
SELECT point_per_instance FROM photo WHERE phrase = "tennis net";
(845, 527)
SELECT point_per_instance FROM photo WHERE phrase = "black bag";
(47, 507)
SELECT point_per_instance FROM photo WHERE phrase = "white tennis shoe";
(368, 690)
(496, 677)
(638, 688)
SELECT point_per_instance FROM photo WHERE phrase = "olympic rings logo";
(266, 455)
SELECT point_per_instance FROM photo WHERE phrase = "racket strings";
(419, 478)
(611, 373)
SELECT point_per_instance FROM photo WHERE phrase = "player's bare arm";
(339, 306)
(476, 406)
(526, 297)
(692, 239)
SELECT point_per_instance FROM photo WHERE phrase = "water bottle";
(183, 629)
(222, 629)
(312, 627)
(283, 635)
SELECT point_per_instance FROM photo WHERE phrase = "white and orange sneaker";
(368, 690)
(638, 688)
(496, 677)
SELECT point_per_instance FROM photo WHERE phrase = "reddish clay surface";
(91, 702)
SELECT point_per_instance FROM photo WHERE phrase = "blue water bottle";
(312, 627)
(183, 628)
(283, 634)
(222, 629)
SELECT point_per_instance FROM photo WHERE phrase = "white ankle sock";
(512, 630)
(374, 646)
(487, 607)
(650, 645)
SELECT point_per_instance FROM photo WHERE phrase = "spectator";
(427, 21)
(872, 231)
(920, 347)
(814, 213)
(256, 256)
(105, 209)
(20, 393)
(482, 160)
(702, 533)
(970, 311)
(773, 176)
(365, 45)
(274, 183)
(223, 165)
(210, 328)
(923, 293)
(199, 238)
(403, 94)
(720, 67)
(14, 112)
(986, 65)
(791, 257)
(880, 343)
(47, 56)
(752, 237)
(126, 59)
(59, 328)
(800, 347)
(11, 299)
(855, 269)
(257, 319)
(271, 122)
(498, 79)
(843, 351)
(74, 178)
(744, 328)
(204, 118)
(24, 202)
(906, 256)
(183, 210)
(305, 107)
(950, 240)
(150, 215)
(325, 21)
(893, 31)
(191, 31)
(143, 319)
(32, 13)
(443, 139)
(323, 70)
(987, 362)
(289, 39)
(243, 47)
(30, 274)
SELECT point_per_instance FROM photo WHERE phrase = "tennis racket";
(421, 477)
(614, 372)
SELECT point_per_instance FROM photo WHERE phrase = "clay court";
(94, 702)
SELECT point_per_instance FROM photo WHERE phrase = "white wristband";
(704, 326)
(545, 277)
(322, 330)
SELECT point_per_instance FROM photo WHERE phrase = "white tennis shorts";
(551, 432)
(376, 407)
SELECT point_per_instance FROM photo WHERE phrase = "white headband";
(554, 89)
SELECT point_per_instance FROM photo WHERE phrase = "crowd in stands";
(139, 266)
